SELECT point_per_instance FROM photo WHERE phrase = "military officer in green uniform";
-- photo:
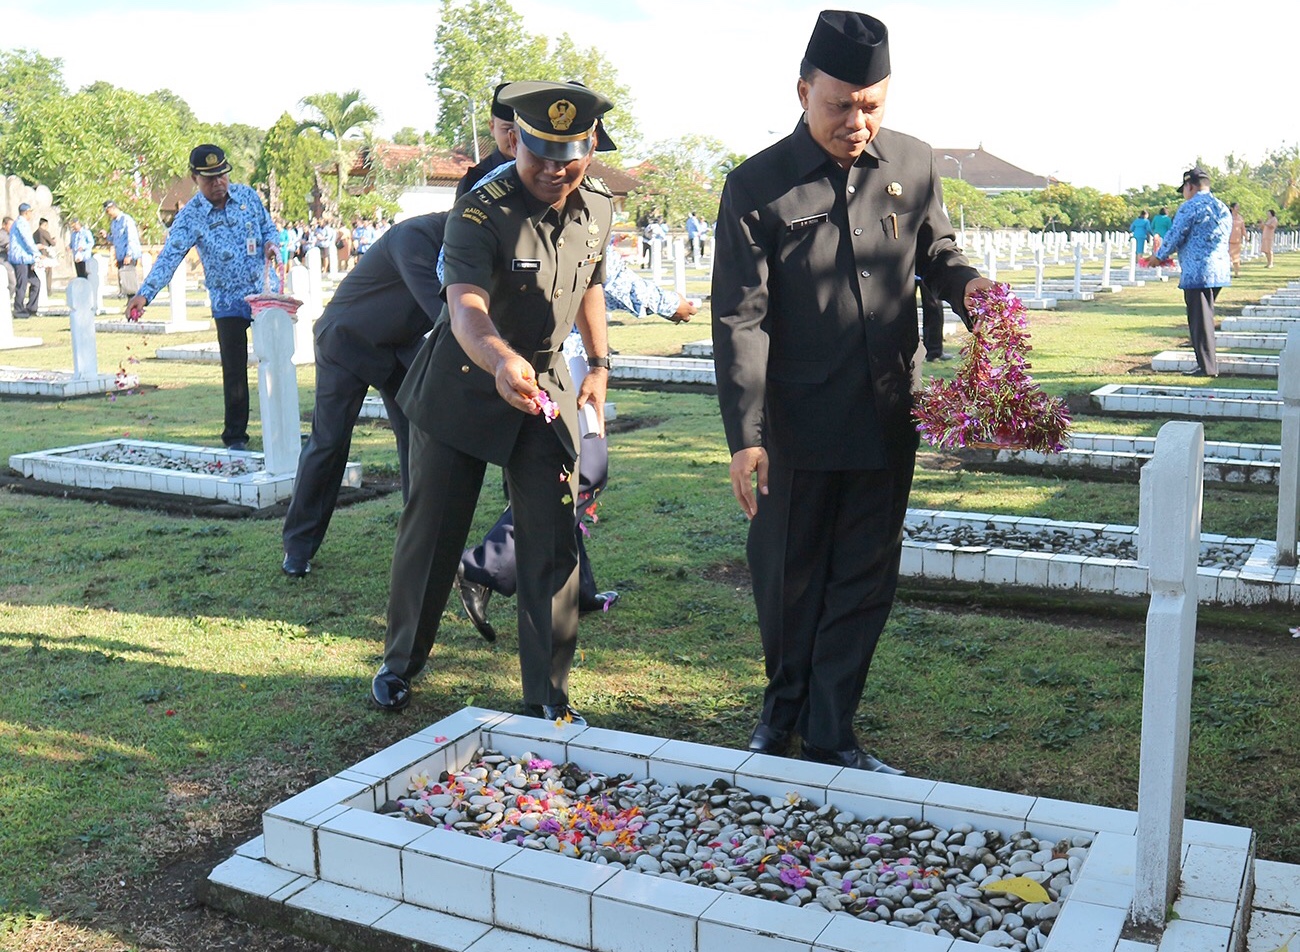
(524, 263)
(819, 241)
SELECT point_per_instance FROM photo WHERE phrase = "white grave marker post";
(1133, 261)
(1014, 265)
(656, 260)
(43, 295)
(313, 262)
(277, 390)
(696, 250)
(1288, 477)
(1078, 268)
(1038, 272)
(1058, 239)
(176, 296)
(991, 263)
(300, 287)
(1105, 265)
(679, 267)
(6, 317)
(81, 305)
(1169, 542)
(100, 264)
(144, 266)
(333, 258)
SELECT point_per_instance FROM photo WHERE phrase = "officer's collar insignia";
(562, 113)
(894, 189)
(593, 228)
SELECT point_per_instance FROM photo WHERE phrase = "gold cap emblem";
(562, 113)
(894, 189)
(210, 160)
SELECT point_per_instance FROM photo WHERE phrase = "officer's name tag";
(799, 224)
(525, 264)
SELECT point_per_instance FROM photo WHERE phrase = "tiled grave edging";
(1189, 402)
(327, 851)
(1235, 463)
(1260, 581)
(1230, 365)
(258, 489)
(57, 383)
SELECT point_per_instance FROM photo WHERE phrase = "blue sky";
(1111, 95)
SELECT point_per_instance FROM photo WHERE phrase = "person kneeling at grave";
(238, 245)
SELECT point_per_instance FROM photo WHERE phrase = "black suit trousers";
(1200, 326)
(823, 551)
(339, 396)
(431, 535)
(232, 338)
(27, 284)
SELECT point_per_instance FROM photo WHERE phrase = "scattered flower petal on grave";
(1022, 887)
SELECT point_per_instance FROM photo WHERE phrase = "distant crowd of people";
(297, 238)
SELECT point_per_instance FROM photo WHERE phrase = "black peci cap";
(208, 161)
(851, 47)
(1195, 176)
(555, 120)
(504, 113)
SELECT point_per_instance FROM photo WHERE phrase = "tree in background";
(101, 143)
(481, 43)
(26, 78)
(338, 116)
(1280, 172)
(681, 176)
(291, 157)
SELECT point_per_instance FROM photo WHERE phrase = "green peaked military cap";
(555, 120)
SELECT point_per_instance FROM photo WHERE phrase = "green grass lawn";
(163, 682)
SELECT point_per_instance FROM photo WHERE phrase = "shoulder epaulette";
(597, 185)
(495, 190)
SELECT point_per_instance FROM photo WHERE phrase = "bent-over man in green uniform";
(524, 262)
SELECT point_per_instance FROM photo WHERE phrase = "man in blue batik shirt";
(237, 242)
(1199, 234)
(125, 236)
(22, 255)
(82, 244)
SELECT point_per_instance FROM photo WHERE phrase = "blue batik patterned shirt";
(223, 237)
(81, 242)
(125, 236)
(1200, 236)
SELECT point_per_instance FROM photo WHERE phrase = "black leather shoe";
(295, 567)
(769, 740)
(388, 692)
(1198, 372)
(555, 712)
(854, 757)
(600, 602)
(474, 598)
(239, 446)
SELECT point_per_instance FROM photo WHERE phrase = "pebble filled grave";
(129, 455)
(985, 886)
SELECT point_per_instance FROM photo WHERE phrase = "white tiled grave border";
(325, 851)
(257, 489)
(57, 383)
(1260, 581)
(1255, 464)
(1195, 402)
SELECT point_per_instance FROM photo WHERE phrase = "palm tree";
(338, 116)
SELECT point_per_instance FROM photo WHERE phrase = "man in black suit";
(820, 239)
(367, 337)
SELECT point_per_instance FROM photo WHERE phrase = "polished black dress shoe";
(295, 567)
(555, 712)
(769, 740)
(854, 757)
(388, 692)
(1198, 372)
(474, 598)
(239, 446)
(600, 602)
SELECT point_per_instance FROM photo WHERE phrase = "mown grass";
(163, 682)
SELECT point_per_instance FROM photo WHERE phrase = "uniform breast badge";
(894, 189)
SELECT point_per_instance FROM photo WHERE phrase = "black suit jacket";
(387, 303)
(814, 298)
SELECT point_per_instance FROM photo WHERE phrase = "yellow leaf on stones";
(1286, 946)
(1022, 887)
